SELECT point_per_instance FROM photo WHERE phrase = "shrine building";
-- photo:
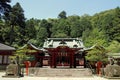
(64, 52)
(55, 53)
(5, 52)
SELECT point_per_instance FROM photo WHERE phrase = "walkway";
(51, 78)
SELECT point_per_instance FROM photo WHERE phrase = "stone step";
(54, 72)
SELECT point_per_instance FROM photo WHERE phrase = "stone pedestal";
(12, 70)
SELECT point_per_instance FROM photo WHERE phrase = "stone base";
(54, 72)
(112, 71)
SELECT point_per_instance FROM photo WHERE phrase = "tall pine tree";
(16, 18)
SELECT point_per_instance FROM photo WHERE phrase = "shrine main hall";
(62, 52)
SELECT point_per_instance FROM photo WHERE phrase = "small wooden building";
(35, 53)
(115, 56)
(5, 52)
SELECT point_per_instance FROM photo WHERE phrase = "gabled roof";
(6, 47)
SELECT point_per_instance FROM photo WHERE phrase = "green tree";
(44, 23)
(85, 23)
(5, 7)
(74, 26)
(62, 15)
(98, 53)
(30, 30)
(4, 32)
(54, 28)
(16, 18)
(60, 34)
(102, 28)
(116, 28)
(41, 35)
(114, 47)
(94, 36)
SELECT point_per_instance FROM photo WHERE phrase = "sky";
(44, 9)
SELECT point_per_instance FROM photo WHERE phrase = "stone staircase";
(57, 72)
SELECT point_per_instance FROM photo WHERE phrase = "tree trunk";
(11, 34)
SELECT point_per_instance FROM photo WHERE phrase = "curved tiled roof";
(28, 45)
(70, 42)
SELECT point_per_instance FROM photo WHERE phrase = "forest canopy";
(102, 28)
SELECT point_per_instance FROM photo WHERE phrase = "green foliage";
(102, 28)
(30, 30)
(62, 29)
(62, 15)
(97, 54)
(60, 34)
(114, 47)
(14, 20)
(116, 28)
(41, 35)
(16, 16)
(93, 37)
(45, 24)
(5, 7)
(21, 53)
(4, 32)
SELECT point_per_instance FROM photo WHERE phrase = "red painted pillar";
(51, 61)
(72, 59)
(84, 62)
(41, 62)
(27, 64)
(55, 60)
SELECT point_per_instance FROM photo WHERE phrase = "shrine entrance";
(62, 56)
(63, 59)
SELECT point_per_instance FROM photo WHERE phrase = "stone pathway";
(51, 78)
(46, 72)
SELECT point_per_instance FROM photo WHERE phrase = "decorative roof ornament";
(62, 42)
